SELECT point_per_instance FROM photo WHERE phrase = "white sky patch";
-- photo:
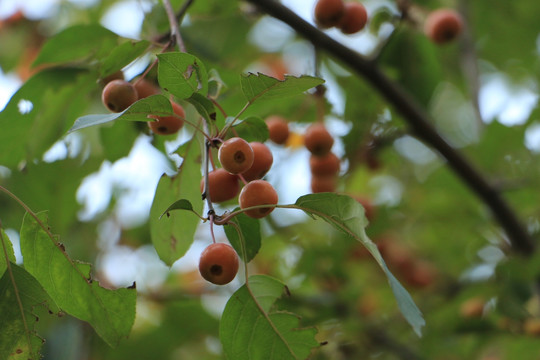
(133, 179)
(9, 83)
(509, 103)
(532, 137)
(132, 10)
(32, 9)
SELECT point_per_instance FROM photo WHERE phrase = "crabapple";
(167, 125)
(278, 129)
(118, 95)
(318, 140)
(326, 183)
(236, 155)
(324, 165)
(146, 88)
(117, 75)
(443, 25)
(218, 263)
(262, 162)
(354, 18)
(328, 12)
(258, 192)
(222, 185)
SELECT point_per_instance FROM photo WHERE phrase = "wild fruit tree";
(408, 193)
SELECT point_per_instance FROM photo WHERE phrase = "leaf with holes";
(172, 235)
(182, 74)
(263, 87)
(68, 282)
(18, 339)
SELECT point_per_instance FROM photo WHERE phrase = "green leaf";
(122, 55)
(204, 106)
(155, 105)
(181, 204)
(251, 233)
(8, 246)
(172, 235)
(78, 42)
(110, 312)
(252, 129)
(260, 86)
(49, 92)
(215, 84)
(347, 215)
(251, 328)
(182, 74)
(18, 339)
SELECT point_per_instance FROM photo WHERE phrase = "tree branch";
(416, 117)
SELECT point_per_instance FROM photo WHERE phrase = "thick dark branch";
(415, 115)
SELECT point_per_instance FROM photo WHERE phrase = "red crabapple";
(258, 192)
(354, 18)
(443, 25)
(222, 186)
(235, 155)
(167, 125)
(328, 12)
(318, 140)
(262, 162)
(218, 263)
(118, 95)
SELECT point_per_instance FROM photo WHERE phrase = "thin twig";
(173, 22)
(415, 115)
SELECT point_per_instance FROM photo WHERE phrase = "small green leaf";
(155, 105)
(110, 312)
(122, 55)
(18, 339)
(251, 328)
(182, 204)
(78, 42)
(204, 106)
(252, 129)
(182, 74)
(251, 232)
(260, 86)
(172, 235)
(347, 215)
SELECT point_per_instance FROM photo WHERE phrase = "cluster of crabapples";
(240, 162)
(118, 94)
(349, 17)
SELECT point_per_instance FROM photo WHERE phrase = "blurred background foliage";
(479, 300)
